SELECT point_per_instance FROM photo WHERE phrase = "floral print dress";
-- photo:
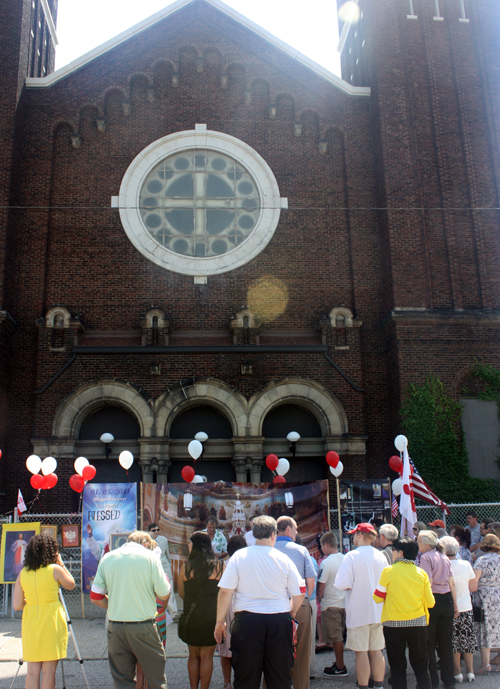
(488, 631)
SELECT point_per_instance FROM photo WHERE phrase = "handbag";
(183, 621)
(478, 613)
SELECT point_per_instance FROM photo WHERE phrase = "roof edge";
(80, 62)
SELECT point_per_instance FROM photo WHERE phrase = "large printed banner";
(108, 508)
(233, 504)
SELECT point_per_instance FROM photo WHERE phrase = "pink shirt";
(438, 569)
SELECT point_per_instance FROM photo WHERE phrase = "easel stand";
(78, 655)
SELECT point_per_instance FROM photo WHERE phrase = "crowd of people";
(261, 600)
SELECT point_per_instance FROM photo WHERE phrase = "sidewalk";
(91, 639)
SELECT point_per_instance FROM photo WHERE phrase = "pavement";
(90, 635)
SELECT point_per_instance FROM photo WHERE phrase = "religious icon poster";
(15, 539)
(232, 504)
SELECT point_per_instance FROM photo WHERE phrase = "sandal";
(484, 669)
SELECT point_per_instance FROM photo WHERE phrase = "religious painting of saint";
(15, 539)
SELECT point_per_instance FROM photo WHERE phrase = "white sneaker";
(459, 678)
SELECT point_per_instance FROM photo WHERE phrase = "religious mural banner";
(108, 508)
(15, 539)
(232, 504)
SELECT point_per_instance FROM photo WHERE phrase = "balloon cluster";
(396, 464)
(195, 449)
(48, 466)
(280, 466)
(333, 461)
(84, 472)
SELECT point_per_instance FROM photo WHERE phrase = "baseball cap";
(437, 522)
(365, 528)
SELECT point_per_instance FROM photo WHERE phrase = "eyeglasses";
(415, 529)
(153, 530)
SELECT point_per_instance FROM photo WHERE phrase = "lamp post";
(293, 437)
(107, 439)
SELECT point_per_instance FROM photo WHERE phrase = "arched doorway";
(308, 464)
(218, 449)
(126, 430)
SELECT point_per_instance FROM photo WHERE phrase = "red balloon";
(279, 479)
(77, 482)
(0, 453)
(272, 462)
(188, 474)
(50, 481)
(36, 481)
(332, 458)
(396, 464)
(89, 472)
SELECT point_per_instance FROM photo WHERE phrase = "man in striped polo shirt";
(299, 555)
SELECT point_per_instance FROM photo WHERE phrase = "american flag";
(422, 491)
(394, 508)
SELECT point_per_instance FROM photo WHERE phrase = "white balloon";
(195, 448)
(283, 467)
(49, 465)
(397, 486)
(401, 442)
(126, 459)
(80, 464)
(336, 471)
(198, 479)
(34, 464)
(201, 436)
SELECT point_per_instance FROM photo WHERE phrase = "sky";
(84, 25)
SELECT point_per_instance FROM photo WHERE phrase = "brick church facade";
(202, 230)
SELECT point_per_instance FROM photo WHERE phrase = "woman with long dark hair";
(198, 580)
(44, 629)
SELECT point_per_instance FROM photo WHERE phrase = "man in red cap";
(358, 576)
(438, 527)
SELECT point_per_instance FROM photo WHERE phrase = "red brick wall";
(362, 229)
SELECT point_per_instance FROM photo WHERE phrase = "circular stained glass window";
(199, 203)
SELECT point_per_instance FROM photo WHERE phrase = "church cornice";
(82, 61)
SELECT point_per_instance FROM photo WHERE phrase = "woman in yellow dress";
(44, 630)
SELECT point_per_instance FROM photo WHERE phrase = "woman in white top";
(464, 634)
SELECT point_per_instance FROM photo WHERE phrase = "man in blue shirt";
(299, 555)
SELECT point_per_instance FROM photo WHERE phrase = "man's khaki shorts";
(333, 624)
(370, 637)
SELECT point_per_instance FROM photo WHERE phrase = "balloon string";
(128, 477)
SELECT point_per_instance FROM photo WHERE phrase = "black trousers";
(262, 644)
(396, 641)
(439, 638)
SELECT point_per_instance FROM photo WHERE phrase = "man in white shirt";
(249, 537)
(267, 591)
(332, 602)
(358, 576)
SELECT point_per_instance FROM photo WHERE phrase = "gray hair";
(212, 520)
(264, 527)
(389, 531)
(428, 537)
(450, 545)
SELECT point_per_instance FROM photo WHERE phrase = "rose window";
(199, 203)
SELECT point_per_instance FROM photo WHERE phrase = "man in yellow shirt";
(405, 591)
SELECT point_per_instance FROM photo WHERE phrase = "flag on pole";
(407, 501)
(422, 491)
(394, 508)
(21, 505)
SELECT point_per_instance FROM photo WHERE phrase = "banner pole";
(390, 500)
(142, 506)
(338, 510)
